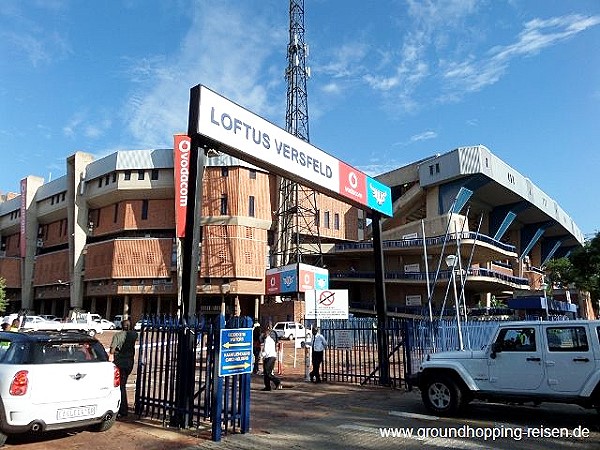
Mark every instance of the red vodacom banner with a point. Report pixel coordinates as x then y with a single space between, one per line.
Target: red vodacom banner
181 171
353 184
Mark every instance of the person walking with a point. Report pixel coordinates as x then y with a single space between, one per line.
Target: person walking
122 349
256 346
269 355
319 344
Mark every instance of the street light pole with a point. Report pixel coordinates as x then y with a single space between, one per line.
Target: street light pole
451 261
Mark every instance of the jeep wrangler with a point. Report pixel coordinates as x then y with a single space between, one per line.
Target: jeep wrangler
537 362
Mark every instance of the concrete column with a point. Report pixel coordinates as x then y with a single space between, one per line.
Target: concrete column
77 210
29 233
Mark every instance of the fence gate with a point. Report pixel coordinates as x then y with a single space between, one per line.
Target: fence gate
352 354
177 378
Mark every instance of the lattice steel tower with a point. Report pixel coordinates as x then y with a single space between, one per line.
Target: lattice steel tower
298 238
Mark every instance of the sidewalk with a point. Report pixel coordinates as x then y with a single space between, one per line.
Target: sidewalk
301 415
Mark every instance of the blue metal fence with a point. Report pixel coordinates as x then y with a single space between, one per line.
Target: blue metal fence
353 354
177 381
441 335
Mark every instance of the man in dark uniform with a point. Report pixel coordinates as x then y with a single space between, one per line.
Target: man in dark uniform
122 349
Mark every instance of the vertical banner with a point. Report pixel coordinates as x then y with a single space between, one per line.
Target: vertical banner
23 219
181 172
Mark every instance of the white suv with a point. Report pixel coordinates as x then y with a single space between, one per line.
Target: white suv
290 330
523 362
51 381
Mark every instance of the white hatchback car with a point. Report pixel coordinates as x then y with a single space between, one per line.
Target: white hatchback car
51 381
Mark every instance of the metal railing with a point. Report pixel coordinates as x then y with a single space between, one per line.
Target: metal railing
430 241
176 378
352 354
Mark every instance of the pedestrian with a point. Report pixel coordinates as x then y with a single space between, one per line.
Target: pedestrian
319 344
122 349
256 346
15 325
5 326
269 355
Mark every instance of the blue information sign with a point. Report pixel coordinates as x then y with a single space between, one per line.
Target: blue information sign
235 354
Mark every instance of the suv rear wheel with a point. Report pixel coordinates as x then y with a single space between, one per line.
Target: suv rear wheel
442 395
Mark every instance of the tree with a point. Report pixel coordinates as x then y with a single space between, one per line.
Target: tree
559 272
3 301
585 263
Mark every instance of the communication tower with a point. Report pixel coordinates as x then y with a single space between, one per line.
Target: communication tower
297 236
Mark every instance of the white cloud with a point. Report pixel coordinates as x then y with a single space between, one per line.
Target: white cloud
425 136
221 51
474 74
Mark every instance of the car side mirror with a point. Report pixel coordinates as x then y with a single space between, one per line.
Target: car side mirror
496 348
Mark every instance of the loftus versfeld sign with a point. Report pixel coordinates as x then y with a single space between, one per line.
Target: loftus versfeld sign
253 139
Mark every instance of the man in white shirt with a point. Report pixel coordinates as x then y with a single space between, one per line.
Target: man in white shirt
319 344
269 355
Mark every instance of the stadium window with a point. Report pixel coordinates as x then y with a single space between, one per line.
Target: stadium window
252 174
224 204
224 171
127 175
317 218
251 206
140 174
336 221
99 183
144 209
107 180
116 213
326 219
154 175
114 177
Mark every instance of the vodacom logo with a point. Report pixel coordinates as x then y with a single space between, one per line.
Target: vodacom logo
353 180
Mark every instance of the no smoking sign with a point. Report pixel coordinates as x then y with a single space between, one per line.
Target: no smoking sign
326 304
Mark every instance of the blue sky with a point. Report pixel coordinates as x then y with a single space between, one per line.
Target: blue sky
391 81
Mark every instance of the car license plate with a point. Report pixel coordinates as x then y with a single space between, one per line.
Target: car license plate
79 411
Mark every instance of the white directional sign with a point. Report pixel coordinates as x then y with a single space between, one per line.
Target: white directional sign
326 304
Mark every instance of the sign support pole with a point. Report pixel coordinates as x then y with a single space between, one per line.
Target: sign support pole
381 303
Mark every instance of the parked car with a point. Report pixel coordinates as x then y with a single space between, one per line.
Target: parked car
38 323
290 330
142 322
106 324
53 380
48 316
542 361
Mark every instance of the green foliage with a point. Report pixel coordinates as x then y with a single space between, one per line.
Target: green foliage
3 301
559 272
585 263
